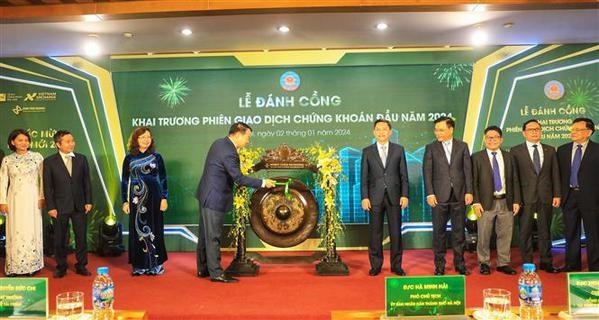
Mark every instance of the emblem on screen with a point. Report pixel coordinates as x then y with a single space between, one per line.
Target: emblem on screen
554 90
290 81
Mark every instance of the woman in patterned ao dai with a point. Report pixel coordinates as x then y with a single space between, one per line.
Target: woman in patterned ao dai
144 193
21 198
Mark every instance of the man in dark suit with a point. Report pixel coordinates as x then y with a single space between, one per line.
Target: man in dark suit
496 200
447 174
384 188
67 189
540 186
215 195
580 193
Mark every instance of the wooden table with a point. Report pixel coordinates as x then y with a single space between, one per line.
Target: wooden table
549 313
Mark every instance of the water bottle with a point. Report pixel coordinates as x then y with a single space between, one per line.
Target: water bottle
103 295
530 292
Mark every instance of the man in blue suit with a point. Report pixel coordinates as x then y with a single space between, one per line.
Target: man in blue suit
215 195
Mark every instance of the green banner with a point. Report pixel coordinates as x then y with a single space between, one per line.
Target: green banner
583 293
24 298
425 296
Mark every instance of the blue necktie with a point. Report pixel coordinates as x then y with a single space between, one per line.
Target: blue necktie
536 159
576 167
496 175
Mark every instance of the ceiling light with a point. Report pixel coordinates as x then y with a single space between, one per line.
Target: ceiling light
128 35
508 25
196 52
150 53
477 8
92 18
283 29
92 47
382 26
479 37
186 32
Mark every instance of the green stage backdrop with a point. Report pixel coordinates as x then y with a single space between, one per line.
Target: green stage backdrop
330 98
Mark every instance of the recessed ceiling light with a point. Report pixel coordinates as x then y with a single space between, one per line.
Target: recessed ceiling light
265 50
382 26
391 47
92 18
92 47
186 31
196 52
150 53
508 25
283 29
128 35
479 37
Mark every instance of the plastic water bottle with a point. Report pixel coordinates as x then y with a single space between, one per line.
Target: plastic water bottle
103 295
530 291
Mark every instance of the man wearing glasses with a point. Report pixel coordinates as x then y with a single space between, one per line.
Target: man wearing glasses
580 193
540 185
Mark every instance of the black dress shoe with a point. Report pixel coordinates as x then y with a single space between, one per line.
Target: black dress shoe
83 271
549 268
399 271
506 270
224 279
462 270
485 269
203 274
439 271
59 273
374 272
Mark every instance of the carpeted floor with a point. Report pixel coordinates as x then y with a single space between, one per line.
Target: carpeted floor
280 291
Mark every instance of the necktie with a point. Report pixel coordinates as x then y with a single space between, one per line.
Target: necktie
447 151
384 155
69 164
536 159
496 175
576 167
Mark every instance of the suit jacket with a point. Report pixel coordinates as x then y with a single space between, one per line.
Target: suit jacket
535 188
588 175
440 176
376 177
482 179
62 191
221 170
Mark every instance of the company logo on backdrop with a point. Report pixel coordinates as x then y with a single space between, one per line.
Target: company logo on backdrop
40 96
2 97
290 81
7 97
17 110
554 90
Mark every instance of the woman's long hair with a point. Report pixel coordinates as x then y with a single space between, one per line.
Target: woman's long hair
134 145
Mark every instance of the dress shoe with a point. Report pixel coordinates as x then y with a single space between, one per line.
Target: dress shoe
203 274
506 270
399 271
374 272
83 271
549 268
485 269
224 279
59 273
462 270
439 271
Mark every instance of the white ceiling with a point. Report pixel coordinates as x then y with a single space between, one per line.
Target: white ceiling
308 31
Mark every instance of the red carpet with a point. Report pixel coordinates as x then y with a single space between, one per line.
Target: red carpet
280 291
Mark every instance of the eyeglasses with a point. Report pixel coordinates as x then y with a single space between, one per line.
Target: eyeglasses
579 130
533 130
493 138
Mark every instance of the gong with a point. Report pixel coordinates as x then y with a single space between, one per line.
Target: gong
286 215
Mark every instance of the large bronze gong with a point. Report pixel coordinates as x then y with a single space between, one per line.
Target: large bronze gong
284 220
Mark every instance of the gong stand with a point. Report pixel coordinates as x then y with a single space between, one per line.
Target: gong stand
281 203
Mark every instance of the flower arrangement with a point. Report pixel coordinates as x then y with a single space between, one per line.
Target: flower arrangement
241 196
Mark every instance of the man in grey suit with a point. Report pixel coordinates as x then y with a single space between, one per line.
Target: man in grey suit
384 189
215 196
496 200
579 174
447 174
540 185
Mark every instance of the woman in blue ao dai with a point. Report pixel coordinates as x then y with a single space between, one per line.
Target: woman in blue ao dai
144 193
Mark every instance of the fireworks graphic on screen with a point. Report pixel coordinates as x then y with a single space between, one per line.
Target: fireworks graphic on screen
453 76
173 91
582 93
